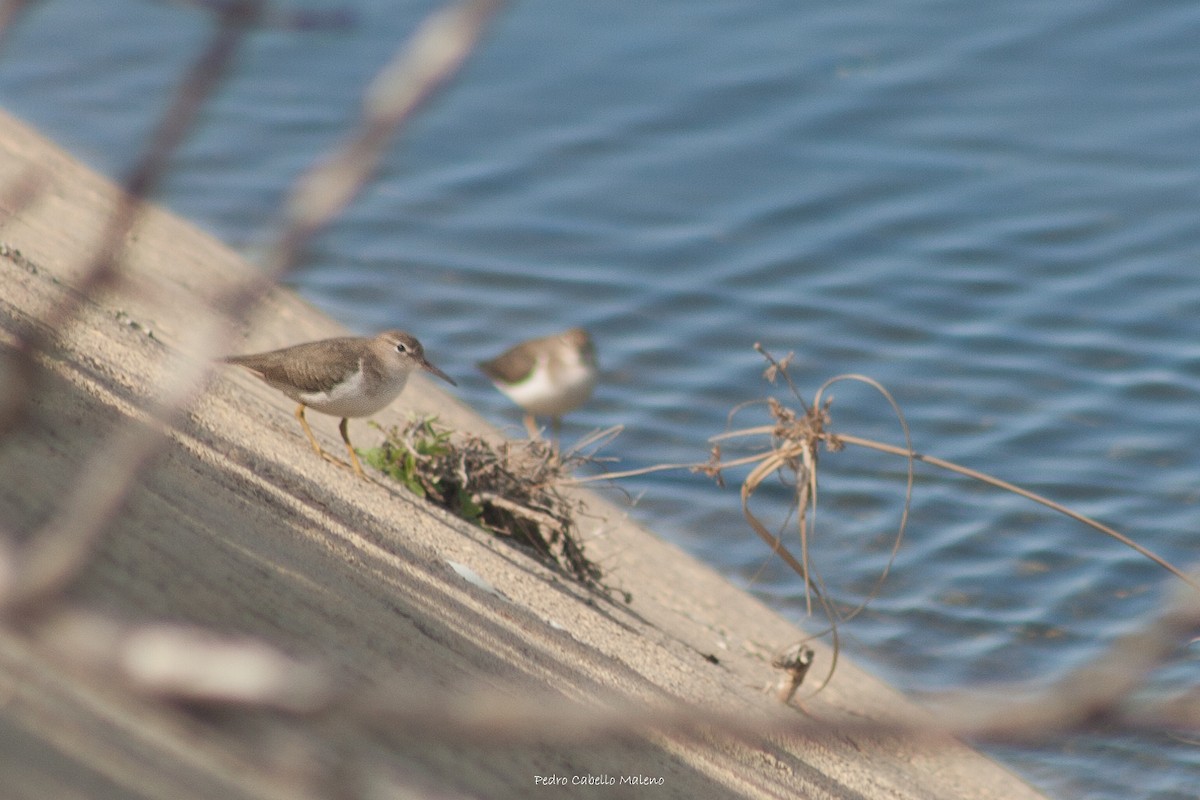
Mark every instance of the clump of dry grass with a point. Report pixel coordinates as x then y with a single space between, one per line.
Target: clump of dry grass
790 446
787 449
508 487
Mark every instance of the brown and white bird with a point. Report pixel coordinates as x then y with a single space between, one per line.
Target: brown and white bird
548 376
345 377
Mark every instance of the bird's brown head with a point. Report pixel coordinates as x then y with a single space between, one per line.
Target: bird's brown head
407 347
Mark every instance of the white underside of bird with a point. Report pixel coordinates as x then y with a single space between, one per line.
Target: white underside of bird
349 398
553 391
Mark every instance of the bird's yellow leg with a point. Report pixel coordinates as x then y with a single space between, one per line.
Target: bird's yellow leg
307 430
350 448
531 426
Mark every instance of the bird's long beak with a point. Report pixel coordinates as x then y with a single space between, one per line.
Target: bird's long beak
431 368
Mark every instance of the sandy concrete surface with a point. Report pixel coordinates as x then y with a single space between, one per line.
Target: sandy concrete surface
238 527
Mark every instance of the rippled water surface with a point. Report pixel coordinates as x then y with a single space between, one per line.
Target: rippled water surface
991 209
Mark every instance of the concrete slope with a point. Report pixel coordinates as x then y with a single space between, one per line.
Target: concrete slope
238 527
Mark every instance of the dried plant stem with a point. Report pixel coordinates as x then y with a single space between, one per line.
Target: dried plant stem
51 559
629 473
545 521
436 51
843 439
10 12
62 546
102 271
432 56
1091 699
1094 698
56 552
1037 498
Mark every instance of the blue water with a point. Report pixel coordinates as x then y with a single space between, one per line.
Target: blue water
990 209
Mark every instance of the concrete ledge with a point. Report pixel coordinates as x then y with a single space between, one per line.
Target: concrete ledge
240 528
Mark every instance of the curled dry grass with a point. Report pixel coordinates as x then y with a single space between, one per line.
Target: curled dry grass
509 487
794 440
798 431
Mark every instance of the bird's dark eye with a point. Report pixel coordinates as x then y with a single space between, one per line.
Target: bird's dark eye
401 347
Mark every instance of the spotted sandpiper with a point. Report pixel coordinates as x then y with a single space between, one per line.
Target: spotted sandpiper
344 377
548 376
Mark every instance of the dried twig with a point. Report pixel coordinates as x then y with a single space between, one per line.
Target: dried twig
54 555
102 271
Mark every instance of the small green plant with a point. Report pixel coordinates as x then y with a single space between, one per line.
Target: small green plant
411 456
